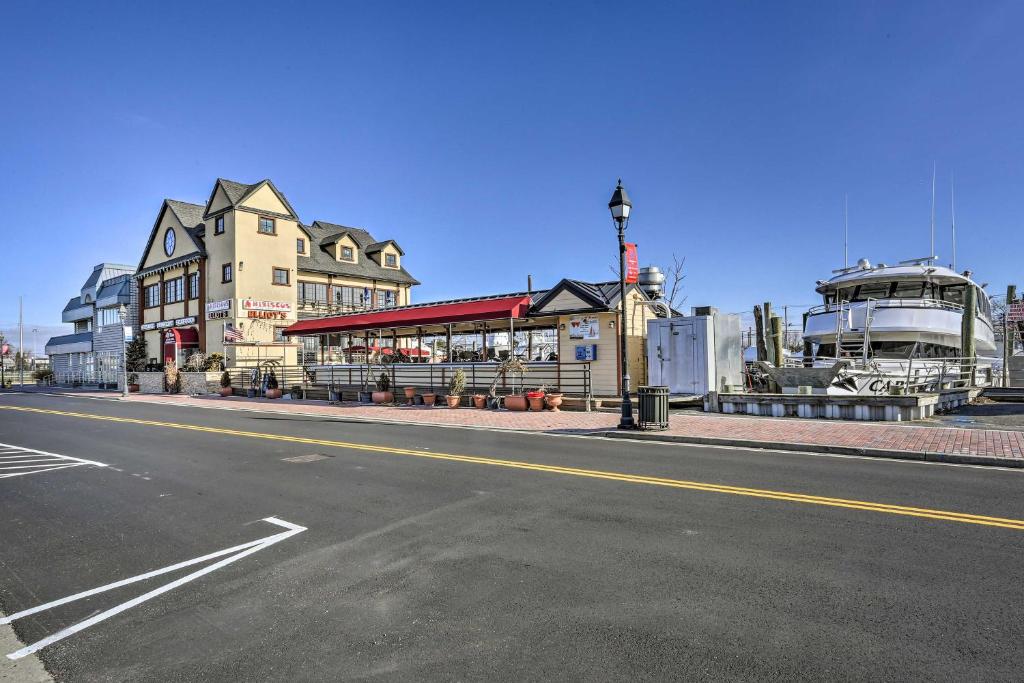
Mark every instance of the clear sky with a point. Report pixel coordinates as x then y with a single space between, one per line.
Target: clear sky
486 137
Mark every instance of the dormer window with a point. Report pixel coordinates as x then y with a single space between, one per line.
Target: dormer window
391 260
347 254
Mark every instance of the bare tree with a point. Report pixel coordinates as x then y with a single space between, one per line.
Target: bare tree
674 276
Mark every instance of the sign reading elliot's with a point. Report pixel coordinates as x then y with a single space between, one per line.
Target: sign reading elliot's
632 264
266 310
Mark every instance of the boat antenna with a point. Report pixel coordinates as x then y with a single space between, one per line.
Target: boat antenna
846 230
932 252
952 212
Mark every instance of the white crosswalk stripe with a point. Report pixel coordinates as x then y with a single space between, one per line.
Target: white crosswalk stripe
16 461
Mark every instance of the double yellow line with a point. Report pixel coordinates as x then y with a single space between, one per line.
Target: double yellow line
868 506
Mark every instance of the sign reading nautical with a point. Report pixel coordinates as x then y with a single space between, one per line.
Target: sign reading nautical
216 310
266 310
632 264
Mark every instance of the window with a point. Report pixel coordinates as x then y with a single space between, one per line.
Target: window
390 260
109 316
953 294
872 290
225 273
385 298
267 227
347 254
279 334
173 290
280 276
351 298
152 295
193 285
908 290
312 293
218 225
83 325
300 245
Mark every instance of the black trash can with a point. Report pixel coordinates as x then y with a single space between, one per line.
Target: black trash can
653 413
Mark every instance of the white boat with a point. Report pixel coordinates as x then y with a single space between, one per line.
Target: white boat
898 329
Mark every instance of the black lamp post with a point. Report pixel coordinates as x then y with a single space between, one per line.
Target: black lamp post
620 207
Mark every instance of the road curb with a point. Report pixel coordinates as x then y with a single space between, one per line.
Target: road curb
952 458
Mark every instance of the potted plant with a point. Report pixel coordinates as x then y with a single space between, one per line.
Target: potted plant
273 389
383 393
225 384
410 393
480 401
553 400
133 383
172 380
456 385
365 395
254 383
536 398
509 366
429 398
296 392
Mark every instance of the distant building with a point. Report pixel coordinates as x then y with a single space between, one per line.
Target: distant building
93 352
230 275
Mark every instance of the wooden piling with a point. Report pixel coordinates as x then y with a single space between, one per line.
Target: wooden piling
777 346
769 348
762 351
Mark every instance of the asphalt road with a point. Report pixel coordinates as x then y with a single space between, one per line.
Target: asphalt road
434 553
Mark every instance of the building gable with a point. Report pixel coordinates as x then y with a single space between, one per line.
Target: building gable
265 199
184 241
564 300
218 201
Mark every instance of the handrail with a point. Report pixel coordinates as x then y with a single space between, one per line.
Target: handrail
887 303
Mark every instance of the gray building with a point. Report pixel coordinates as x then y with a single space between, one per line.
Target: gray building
92 353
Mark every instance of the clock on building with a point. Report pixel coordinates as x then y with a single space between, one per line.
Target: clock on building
169 241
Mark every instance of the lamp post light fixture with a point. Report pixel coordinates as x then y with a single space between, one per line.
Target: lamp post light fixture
620 206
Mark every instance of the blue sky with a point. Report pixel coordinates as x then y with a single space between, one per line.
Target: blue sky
486 137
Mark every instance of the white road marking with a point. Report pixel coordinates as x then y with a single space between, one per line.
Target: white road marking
16 461
240 551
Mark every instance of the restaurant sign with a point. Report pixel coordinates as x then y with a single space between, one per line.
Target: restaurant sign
165 324
216 310
265 305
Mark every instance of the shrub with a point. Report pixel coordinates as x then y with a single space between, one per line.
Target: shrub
225 380
214 362
383 382
171 377
271 380
457 384
42 374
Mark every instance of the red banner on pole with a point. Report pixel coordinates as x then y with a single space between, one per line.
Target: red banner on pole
5 349
632 264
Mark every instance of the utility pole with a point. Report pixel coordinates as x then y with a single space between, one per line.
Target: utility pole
21 343
1011 295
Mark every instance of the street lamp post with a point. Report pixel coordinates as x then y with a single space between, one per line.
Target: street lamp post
620 207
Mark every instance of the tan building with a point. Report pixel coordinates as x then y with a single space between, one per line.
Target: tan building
230 275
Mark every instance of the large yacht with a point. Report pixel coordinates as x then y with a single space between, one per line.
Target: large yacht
898 328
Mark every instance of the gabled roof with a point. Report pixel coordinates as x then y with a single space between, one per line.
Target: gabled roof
237 193
322 234
189 215
75 302
377 246
602 295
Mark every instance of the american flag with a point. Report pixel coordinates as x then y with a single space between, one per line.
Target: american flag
231 334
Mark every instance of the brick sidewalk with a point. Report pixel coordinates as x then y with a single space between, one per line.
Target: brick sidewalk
873 438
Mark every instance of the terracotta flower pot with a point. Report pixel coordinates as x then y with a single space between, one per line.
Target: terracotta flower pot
226 391
274 393
383 397
133 388
480 401
410 392
515 402
536 402
429 399
553 401
453 401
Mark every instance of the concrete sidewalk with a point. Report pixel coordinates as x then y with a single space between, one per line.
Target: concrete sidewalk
942 444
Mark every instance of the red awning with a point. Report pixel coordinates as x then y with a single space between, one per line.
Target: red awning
182 337
416 316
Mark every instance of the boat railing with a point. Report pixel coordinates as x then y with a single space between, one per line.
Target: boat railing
887 303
